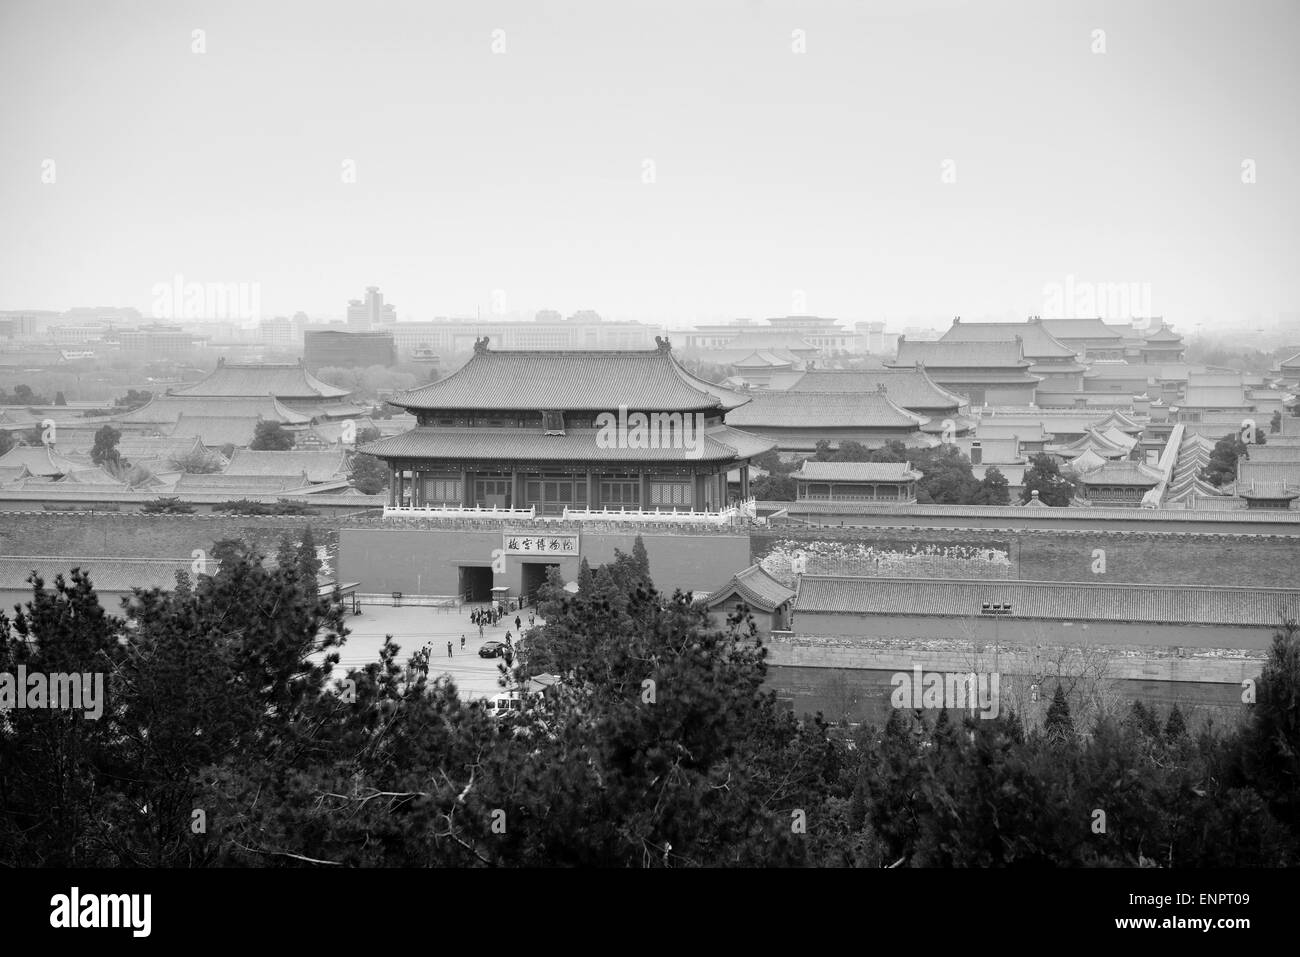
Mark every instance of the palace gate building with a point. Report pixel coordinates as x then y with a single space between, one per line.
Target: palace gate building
524 460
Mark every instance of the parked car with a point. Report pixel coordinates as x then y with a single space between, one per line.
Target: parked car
492 649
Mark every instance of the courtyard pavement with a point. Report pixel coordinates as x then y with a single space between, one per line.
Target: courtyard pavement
414 627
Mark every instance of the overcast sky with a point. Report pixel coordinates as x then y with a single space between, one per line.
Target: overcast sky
669 161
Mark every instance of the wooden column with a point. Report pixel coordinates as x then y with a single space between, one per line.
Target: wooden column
645 490
392 483
744 481
514 489
466 493
591 489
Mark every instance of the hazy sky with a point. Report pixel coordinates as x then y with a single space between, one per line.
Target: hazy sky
775 173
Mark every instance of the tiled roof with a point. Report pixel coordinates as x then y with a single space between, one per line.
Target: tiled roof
219 482
331 433
1164 334
1122 473
91 476
1268 490
824 410
1165 604
39 460
755 587
1216 396
1086 461
571 381
576 445
216 431
106 574
282 380
169 409
961 354
1038 342
995 428
1273 453
763 359
1119 438
156 448
1249 471
324 465
1095 441
857 472
909 387
1080 329
12 473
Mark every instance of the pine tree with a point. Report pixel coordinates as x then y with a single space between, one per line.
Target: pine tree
1176 726
1058 724
308 562
641 558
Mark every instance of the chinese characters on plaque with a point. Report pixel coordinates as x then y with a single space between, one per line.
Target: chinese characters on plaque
534 543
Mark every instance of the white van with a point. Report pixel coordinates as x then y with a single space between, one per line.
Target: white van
505 703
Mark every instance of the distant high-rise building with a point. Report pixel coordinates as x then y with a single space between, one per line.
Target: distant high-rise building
371 312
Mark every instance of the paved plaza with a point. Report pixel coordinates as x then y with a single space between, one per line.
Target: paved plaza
414 627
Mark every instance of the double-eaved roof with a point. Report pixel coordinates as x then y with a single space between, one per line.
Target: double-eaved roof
572 381
1079 601
718 444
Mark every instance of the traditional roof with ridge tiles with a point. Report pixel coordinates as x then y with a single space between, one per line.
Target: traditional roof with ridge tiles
719 444
1038 343
993 354
1094 328
282 380
857 472
1122 473
323 465
909 387
572 381
40 460
864 410
755 587
167 409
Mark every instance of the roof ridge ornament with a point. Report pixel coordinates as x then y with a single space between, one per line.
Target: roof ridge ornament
481 346
662 344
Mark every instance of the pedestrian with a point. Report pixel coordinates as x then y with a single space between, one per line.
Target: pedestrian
449 649
531 619
480 630
507 638
519 625
462 642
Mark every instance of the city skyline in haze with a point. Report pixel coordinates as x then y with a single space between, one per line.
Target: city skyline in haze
892 162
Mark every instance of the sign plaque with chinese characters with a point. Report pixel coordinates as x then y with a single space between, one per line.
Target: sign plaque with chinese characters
540 543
